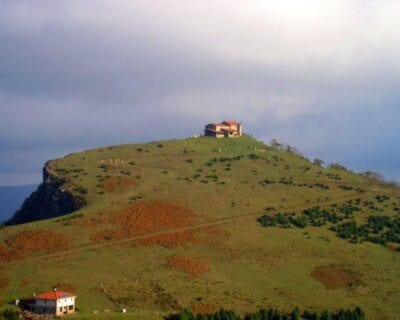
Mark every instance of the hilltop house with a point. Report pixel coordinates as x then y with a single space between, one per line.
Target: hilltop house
53 302
227 129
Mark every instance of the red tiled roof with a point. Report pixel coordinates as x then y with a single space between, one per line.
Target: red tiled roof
53 295
231 123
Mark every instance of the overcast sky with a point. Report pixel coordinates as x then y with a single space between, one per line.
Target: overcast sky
323 76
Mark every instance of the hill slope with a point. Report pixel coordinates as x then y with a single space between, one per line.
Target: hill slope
206 223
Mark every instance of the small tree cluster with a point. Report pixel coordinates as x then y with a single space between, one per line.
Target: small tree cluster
273 314
378 229
10 314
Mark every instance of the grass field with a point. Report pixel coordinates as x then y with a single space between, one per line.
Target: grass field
173 224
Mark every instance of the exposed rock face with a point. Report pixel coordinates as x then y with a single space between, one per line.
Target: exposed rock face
48 201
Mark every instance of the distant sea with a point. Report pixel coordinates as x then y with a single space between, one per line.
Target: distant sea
12 197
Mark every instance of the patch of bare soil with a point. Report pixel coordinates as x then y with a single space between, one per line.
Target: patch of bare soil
335 277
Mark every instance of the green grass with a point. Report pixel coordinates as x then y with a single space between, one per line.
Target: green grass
250 266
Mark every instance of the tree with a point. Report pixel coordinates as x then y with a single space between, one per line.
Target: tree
372 175
270 314
216 316
275 144
187 314
293 150
326 315
307 315
295 314
318 162
263 314
360 313
10 314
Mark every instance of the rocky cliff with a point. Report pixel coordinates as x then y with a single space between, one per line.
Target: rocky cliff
51 199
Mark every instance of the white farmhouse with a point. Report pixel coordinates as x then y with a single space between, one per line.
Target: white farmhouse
53 302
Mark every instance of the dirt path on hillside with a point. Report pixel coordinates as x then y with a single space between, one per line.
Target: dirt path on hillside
190 228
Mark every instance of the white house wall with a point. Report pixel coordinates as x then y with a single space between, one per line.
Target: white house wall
65 302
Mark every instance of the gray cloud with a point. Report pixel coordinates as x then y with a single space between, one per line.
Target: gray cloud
321 75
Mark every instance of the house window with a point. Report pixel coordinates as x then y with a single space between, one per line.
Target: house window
71 307
60 309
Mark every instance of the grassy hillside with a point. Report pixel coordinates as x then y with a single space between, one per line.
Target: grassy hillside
206 223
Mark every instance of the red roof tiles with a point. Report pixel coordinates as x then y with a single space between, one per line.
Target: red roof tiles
231 123
53 295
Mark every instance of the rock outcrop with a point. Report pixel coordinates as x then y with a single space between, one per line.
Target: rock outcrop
51 199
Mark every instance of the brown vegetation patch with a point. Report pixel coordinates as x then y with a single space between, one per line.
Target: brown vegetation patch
38 241
145 217
117 184
3 283
203 308
393 247
335 277
189 265
6 255
202 235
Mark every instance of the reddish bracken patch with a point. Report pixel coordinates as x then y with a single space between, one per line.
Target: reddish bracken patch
38 241
189 265
3 283
145 217
393 247
203 308
5 255
117 184
335 277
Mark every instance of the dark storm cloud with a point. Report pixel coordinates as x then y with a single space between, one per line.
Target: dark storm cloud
321 76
